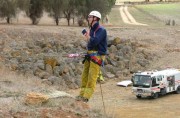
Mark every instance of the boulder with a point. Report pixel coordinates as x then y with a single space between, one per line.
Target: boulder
116 41
35 98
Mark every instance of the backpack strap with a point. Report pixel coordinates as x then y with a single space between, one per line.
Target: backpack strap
96 30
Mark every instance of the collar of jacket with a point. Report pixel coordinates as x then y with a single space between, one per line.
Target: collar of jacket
95 26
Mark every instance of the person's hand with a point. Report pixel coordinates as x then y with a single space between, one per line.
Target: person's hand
87 36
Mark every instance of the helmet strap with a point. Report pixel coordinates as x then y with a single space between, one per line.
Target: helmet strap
90 25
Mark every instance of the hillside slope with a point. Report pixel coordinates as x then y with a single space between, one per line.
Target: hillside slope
159 44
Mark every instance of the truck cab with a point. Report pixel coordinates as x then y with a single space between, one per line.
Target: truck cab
143 85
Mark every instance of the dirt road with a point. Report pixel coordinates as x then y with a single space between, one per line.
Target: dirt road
127 17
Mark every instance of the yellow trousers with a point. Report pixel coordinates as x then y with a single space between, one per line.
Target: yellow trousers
89 78
100 77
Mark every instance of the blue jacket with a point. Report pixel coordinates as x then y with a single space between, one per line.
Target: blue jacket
98 39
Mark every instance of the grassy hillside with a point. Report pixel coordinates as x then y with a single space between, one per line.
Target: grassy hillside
115 17
117 1
151 14
145 18
162 12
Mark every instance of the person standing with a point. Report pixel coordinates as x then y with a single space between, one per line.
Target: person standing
96 50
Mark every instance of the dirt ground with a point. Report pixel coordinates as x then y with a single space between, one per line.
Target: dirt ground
119 101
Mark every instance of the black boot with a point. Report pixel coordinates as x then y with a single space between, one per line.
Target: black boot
85 100
79 98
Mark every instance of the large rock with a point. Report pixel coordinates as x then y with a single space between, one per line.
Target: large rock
35 98
116 41
51 61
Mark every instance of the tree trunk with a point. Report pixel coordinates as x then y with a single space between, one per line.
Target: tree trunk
57 20
33 21
8 20
68 21
73 20
68 18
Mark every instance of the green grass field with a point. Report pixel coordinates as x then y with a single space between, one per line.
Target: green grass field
151 14
145 18
162 12
115 17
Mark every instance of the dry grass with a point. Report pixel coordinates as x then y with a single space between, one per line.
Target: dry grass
14 89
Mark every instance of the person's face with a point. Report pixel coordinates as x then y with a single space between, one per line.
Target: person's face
90 18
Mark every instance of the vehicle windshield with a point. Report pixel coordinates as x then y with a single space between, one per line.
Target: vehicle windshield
141 80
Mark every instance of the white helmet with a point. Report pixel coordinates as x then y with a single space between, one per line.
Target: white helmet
95 13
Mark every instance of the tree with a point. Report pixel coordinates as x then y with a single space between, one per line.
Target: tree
8 9
23 4
35 10
82 8
111 3
69 9
81 12
55 9
103 6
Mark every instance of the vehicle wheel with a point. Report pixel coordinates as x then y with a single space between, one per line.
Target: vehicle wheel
155 95
178 90
138 96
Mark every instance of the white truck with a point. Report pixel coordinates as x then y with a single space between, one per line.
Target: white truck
155 83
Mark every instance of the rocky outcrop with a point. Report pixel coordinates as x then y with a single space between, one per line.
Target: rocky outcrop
41 54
